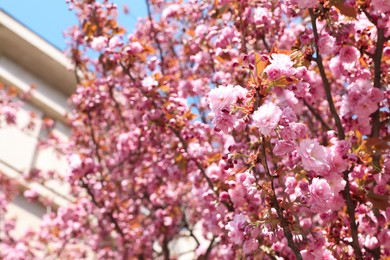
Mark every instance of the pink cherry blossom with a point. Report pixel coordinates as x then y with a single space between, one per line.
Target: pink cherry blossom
281 65
326 44
320 194
222 98
99 43
349 54
215 124
266 118
381 5
236 228
314 156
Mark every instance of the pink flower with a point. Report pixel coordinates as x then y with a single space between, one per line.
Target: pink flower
375 94
288 116
320 194
320 189
273 72
381 5
362 99
326 44
314 156
283 147
201 30
236 228
266 118
349 54
250 245
31 195
306 3
79 166
224 121
371 242
222 98
281 65
134 48
115 42
99 43
9 114
149 83
261 15
128 141
335 66
170 11
290 183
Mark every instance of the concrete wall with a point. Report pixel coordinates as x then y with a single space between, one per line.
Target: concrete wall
19 151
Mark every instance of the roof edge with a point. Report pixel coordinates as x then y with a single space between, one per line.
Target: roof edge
22 31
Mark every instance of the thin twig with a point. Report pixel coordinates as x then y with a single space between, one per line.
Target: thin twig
377 84
187 226
351 214
341 136
153 30
317 116
325 80
243 36
205 256
229 206
283 222
265 43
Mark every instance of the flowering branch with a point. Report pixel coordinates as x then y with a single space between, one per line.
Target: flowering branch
341 136
351 214
317 115
274 200
205 256
377 57
153 30
325 80
229 206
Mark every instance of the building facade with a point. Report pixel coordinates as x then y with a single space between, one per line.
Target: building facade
30 64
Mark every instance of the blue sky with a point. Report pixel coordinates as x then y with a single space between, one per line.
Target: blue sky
50 18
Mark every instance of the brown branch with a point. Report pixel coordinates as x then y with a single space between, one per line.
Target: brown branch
187 226
283 222
93 138
317 115
229 206
351 214
205 256
341 136
375 117
111 217
165 249
265 43
118 108
153 30
325 80
243 36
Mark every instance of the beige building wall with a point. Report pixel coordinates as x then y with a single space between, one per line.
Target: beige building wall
26 60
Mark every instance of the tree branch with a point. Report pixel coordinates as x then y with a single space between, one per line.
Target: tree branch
205 256
243 36
153 30
341 136
351 214
325 80
229 206
283 222
317 116
377 84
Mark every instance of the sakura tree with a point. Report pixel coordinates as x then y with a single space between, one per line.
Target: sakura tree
248 129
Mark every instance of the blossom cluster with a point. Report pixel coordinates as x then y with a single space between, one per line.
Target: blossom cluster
247 129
